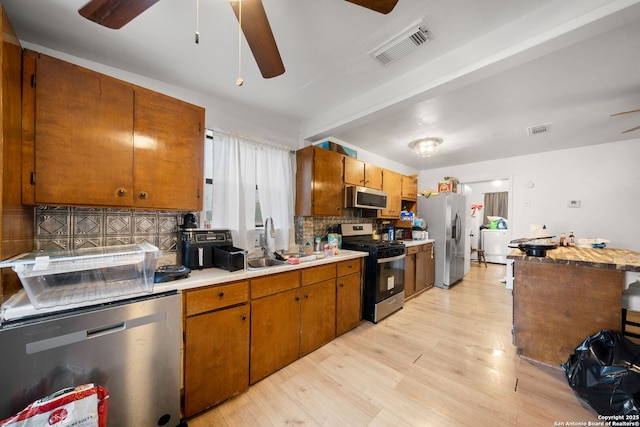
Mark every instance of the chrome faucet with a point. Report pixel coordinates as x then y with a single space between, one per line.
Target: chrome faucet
268 233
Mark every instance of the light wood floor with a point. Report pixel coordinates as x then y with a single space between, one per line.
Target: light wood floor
445 359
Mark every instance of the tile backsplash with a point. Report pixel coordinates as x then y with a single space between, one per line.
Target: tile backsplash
69 227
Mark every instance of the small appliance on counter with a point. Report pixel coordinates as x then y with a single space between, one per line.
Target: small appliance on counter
204 248
168 273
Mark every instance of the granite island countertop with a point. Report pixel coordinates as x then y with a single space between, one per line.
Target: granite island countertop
610 258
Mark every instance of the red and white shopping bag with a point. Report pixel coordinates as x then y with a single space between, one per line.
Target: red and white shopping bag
82 406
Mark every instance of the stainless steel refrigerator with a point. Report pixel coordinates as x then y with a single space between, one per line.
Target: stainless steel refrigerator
445 215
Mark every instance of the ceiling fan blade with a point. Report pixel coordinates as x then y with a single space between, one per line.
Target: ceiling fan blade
632 129
114 14
257 31
625 112
382 6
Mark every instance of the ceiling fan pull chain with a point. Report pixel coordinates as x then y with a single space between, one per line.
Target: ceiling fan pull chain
197 21
239 81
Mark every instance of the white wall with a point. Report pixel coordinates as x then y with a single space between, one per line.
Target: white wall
605 178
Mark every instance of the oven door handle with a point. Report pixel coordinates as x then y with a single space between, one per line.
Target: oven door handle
391 259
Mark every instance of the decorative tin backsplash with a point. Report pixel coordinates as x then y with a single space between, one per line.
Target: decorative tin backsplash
69 227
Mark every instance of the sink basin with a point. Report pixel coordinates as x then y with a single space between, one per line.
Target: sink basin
258 263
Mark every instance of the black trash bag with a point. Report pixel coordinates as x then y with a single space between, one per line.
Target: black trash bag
604 371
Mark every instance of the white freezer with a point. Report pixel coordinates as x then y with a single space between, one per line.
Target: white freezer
495 244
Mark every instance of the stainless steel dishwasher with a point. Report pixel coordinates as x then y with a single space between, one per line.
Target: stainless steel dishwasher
130 347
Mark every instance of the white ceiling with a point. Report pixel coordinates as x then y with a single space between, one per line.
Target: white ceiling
493 68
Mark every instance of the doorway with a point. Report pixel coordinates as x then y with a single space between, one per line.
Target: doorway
476 220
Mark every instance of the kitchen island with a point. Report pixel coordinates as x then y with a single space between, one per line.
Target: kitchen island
566 296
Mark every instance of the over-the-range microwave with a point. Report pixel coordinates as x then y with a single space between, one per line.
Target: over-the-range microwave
365 198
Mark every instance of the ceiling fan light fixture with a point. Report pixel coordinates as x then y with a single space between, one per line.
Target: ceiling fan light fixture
426 147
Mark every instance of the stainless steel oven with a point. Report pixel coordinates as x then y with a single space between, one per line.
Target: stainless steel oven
389 295
384 271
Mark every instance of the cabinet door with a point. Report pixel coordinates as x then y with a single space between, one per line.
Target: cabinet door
216 357
431 266
353 171
275 333
83 135
357 172
318 315
348 311
409 188
373 176
409 275
169 152
392 185
421 270
327 184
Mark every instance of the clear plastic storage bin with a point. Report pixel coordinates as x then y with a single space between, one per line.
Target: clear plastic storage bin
53 278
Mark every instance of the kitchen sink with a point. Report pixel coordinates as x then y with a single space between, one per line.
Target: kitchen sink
258 263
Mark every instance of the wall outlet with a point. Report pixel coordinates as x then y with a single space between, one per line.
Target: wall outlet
257 240
573 204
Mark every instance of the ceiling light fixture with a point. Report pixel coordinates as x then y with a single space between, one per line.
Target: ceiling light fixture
426 147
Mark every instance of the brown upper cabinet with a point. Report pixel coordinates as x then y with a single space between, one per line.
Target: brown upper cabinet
93 140
323 174
409 188
392 185
319 187
357 172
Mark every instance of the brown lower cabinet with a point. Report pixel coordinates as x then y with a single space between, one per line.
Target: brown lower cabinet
216 345
237 333
348 296
419 269
290 324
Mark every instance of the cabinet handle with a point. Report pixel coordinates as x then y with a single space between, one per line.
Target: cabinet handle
221 294
341 285
143 194
243 318
121 192
297 298
306 296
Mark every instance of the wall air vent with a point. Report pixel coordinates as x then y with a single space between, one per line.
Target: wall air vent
538 129
401 45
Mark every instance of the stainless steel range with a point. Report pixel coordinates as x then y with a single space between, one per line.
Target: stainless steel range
384 270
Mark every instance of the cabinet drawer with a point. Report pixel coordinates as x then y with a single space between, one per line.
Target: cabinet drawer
215 297
348 267
318 274
411 250
274 283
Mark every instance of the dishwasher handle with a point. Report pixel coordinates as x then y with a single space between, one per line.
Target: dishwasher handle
106 330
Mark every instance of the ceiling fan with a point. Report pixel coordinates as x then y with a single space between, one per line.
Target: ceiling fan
627 112
257 31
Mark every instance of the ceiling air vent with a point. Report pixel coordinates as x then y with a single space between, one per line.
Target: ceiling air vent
538 129
402 44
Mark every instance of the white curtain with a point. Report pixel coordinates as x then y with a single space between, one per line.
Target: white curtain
238 166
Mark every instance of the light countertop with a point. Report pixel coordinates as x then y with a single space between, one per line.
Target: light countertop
19 306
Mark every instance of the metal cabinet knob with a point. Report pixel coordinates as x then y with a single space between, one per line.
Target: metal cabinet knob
221 294
143 194
121 192
243 318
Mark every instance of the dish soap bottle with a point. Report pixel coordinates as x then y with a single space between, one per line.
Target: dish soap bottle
563 240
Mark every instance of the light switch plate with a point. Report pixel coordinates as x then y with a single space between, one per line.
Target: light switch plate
573 204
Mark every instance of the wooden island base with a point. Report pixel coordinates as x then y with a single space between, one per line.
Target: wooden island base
557 305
